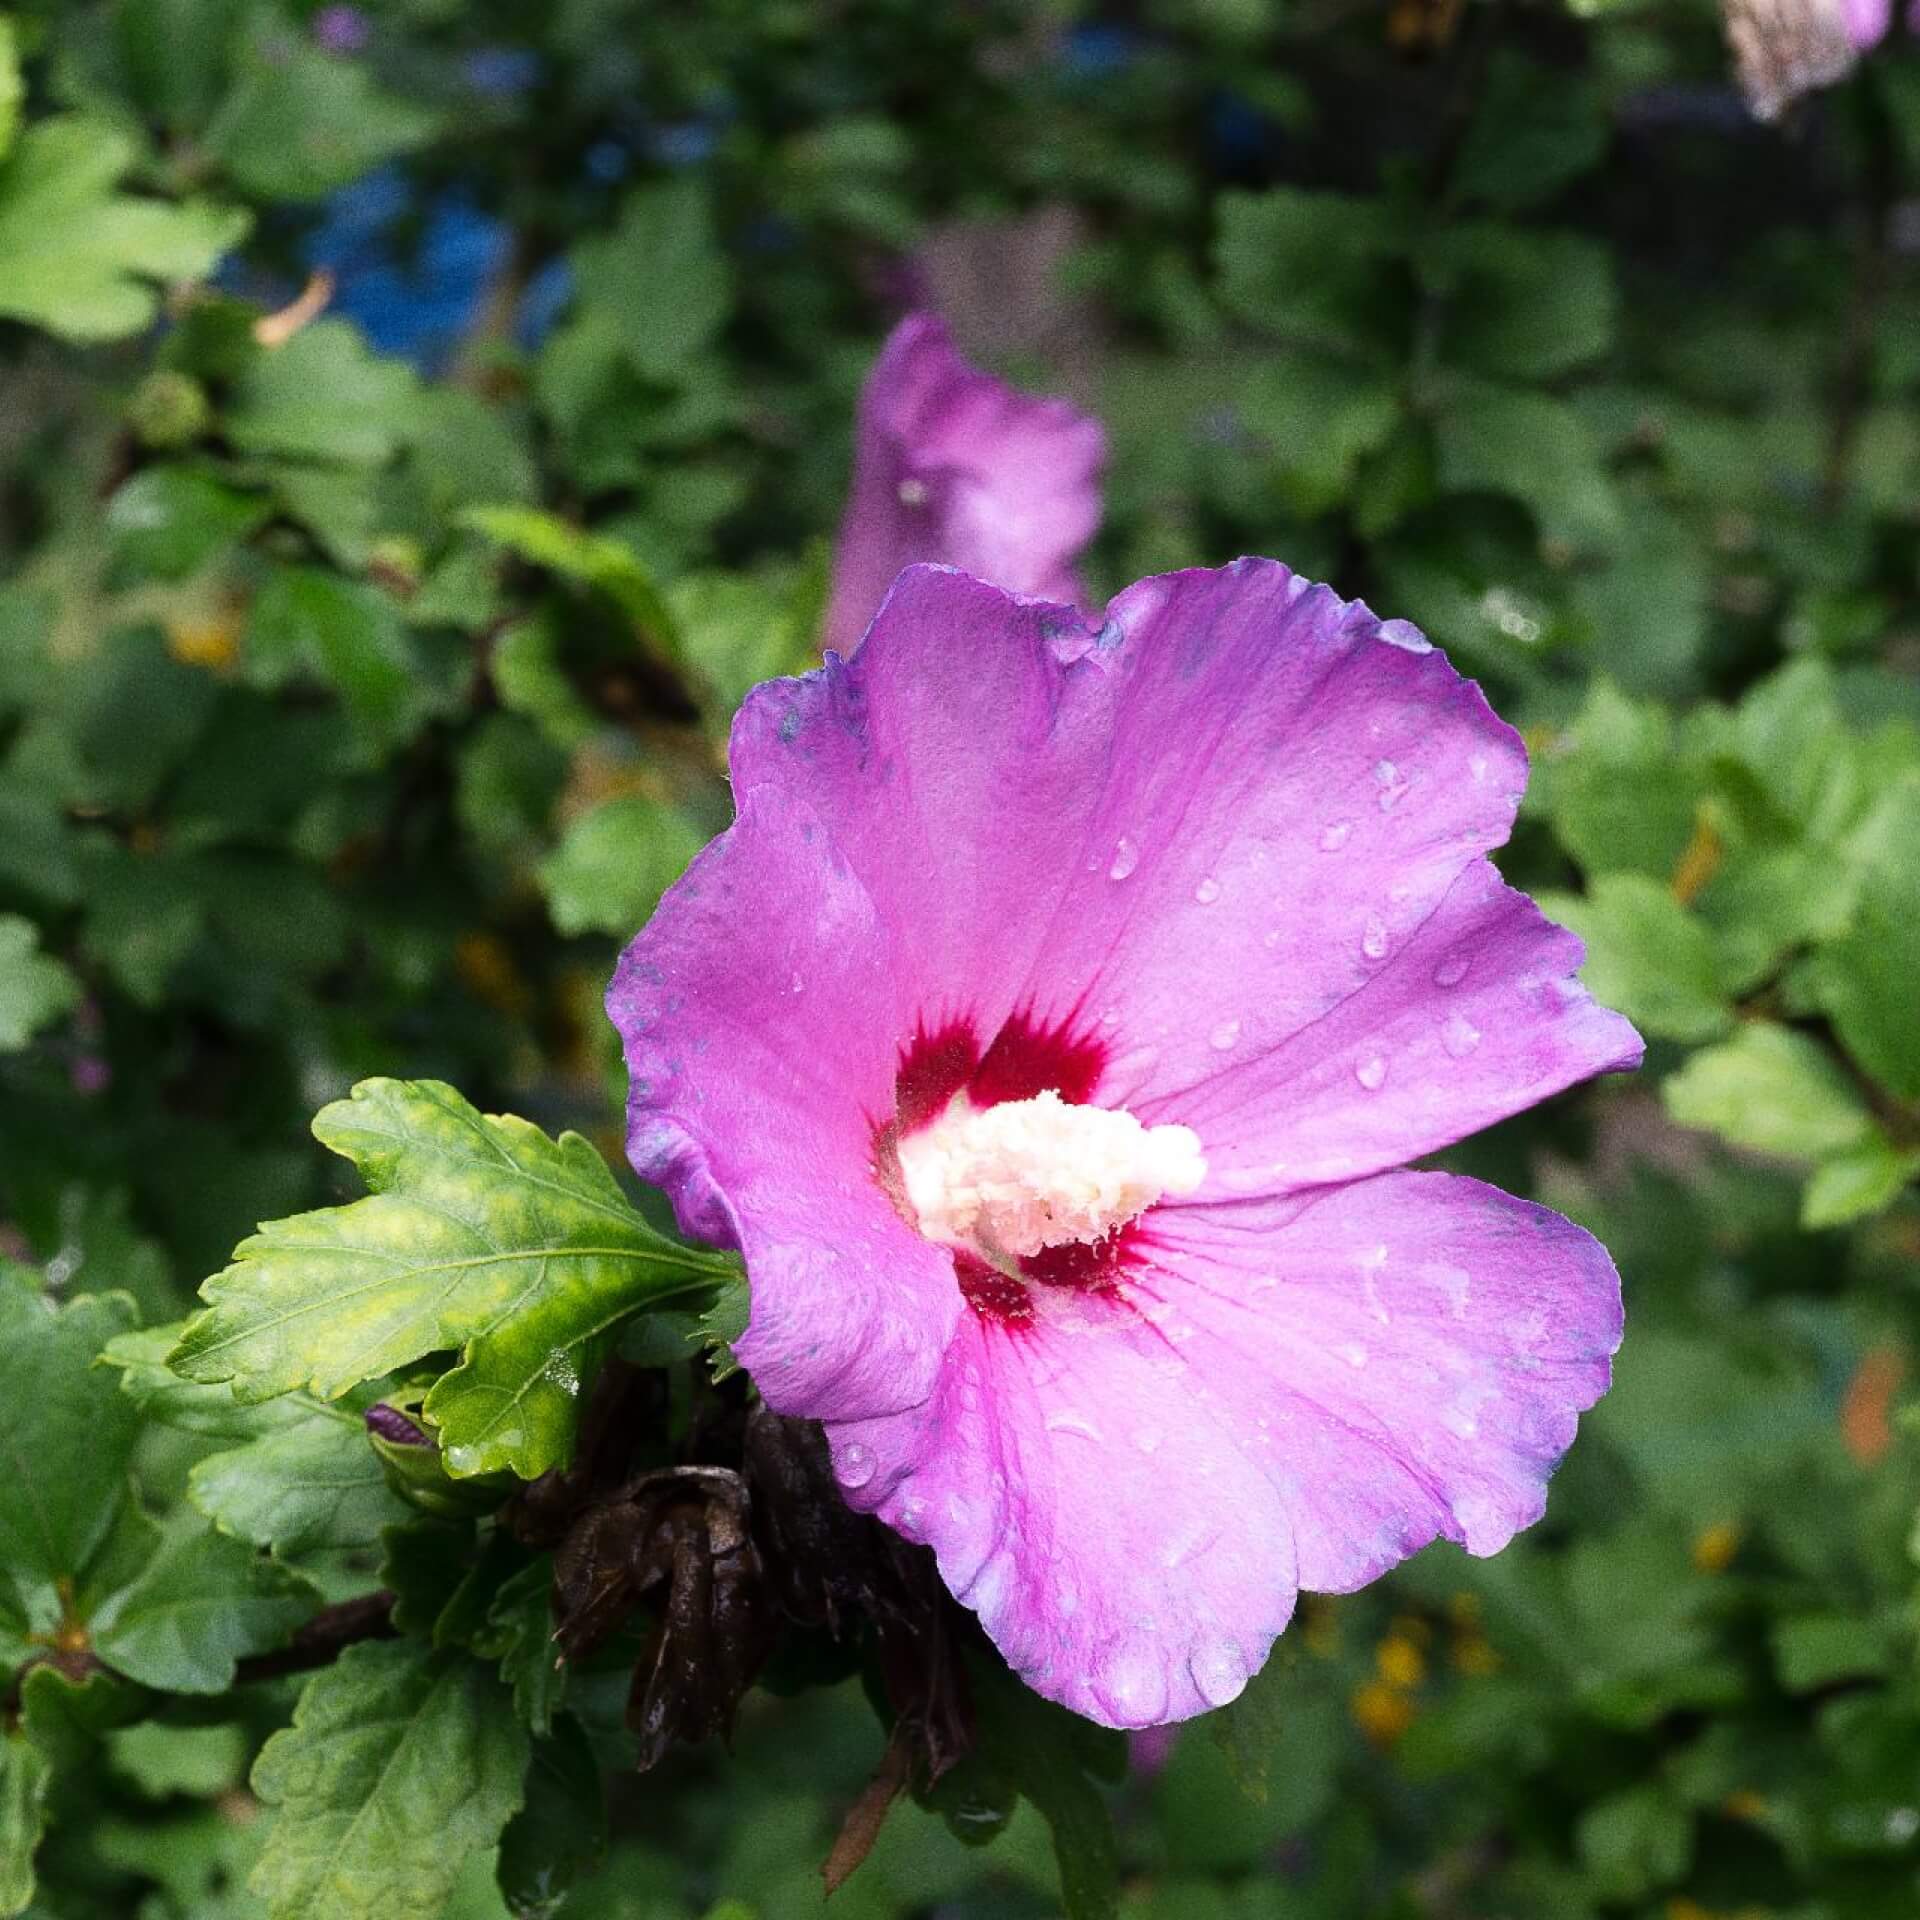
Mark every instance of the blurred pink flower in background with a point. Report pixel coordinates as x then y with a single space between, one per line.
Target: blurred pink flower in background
951 464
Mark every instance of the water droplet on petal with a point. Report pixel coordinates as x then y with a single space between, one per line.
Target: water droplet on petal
911 1521
1148 1439
1208 891
799 985
1132 1686
854 1464
1068 1421
1452 969
1404 634
1224 1036
1335 836
1354 1355
1371 1073
1126 856
1459 1036
1393 785
1219 1671
1373 941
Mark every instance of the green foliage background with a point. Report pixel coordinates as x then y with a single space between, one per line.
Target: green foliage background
350 715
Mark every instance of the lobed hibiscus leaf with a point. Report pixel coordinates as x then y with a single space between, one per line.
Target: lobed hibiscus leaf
399 1764
482 1235
305 1478
24 1777
65 1434
35 989
80 253
201 1603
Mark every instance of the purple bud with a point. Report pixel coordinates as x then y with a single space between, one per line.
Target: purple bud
341 29
394 1427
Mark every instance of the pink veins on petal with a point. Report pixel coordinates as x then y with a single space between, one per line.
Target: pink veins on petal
1049 1032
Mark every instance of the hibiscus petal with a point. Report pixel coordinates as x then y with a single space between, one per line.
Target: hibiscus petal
757 1012
1421 1342
1476 1016
1119 1542
1129 1488
955 763
953 465
1291 788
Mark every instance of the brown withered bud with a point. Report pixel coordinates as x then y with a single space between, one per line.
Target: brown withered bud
714 1629
626 1402
676 1541
831 1567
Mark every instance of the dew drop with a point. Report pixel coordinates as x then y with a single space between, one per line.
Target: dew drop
1393 785
1126 856
1371 1073
1132 1687
1068 1421
1208 891
913 493
1405 635
1459 1036
798 985
1148 1439
1224 1036
1219 1671
1452 969
911 1522
854 1464
1373 941
1335 836
1354 1355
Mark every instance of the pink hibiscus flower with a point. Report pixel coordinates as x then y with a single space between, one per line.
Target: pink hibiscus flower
953 465
1047 1033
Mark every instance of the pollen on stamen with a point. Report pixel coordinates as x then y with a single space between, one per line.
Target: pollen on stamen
1018 1177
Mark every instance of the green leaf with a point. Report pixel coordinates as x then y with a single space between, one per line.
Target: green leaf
13 90
1314 268
66 1431
1534 129
324 396
482 1235
520 1631
1773 1090
1251 1731
1861 1181
399 1764
312 1483
614 862
35 990
79 255
1817 1649
660 275
203 1602
595 560
168 521
349 636
561 1830
1620 797
24 1776
1532 447
1044 1750
300 124
1866 978
1635 1842
1320 418
1519 305
1646 955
